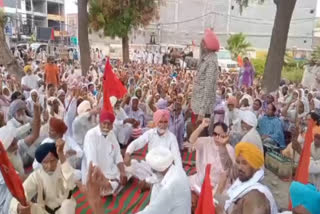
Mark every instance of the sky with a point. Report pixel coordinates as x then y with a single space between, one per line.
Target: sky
70 6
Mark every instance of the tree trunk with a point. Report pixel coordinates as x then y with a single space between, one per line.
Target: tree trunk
7 59
83 34
278 44
125 49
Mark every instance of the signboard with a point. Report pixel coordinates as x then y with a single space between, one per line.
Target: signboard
43 33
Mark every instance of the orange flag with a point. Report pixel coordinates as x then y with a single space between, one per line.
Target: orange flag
205 203
302 172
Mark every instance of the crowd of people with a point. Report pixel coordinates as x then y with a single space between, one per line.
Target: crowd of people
58 136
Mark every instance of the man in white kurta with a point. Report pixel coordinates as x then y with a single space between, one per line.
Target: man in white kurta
171 194
314 167
51 185
156 137
102 149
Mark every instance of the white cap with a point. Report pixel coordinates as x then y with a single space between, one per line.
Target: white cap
159 158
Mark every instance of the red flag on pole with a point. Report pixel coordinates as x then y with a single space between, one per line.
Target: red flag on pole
205 203
52 34
302 172
11 178
112 86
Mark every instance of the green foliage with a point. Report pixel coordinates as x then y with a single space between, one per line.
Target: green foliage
315 57
238 45
119 17
292 70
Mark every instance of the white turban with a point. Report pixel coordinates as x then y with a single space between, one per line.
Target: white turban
249 118
7 134
159 158
84 107
113 100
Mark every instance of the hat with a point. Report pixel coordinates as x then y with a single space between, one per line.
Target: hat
249 118
159 158
44 149
211 41
105 115
84 107
58 126
27 68
7 135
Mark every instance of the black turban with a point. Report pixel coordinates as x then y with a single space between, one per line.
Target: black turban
44 149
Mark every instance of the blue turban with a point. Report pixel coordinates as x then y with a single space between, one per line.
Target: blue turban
44 149
305 195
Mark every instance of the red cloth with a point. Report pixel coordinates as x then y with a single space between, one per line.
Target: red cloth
205 203
112 86
302 172
11 178
58 126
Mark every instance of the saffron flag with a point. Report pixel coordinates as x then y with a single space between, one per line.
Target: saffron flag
52 34
302 172
11 178
205 203
112 86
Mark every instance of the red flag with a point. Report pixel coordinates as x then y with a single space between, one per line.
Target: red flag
11 178
52 34
205 203
302 172
112 86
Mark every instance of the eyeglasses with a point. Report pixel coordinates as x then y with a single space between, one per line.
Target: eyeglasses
216 134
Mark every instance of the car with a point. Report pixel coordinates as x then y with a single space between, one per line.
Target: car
226 64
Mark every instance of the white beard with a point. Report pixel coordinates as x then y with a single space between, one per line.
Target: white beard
16 162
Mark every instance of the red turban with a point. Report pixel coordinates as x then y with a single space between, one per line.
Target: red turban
58 126
211 40
158 115
106 115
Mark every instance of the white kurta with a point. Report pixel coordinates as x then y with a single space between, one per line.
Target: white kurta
80 126
31 81
314 167
153 139
103 152
50 190
172 195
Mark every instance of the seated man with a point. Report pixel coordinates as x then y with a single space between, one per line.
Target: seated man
271 129
305 198
102 149
247 195
249 124
159 136
51 185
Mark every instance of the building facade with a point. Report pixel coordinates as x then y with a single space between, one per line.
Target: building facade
26 15
184 21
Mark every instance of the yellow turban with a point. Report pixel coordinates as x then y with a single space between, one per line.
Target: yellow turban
27 68
251 153
316 130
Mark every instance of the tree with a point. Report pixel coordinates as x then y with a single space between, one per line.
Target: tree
6 57
118 17
278 44
238 45
83 34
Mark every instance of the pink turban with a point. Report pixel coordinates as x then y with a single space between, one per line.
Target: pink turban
232 101
160 114
211 40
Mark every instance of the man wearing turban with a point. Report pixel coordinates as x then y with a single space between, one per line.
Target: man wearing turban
159 136
57 130
101 147
204 87
51 186
247 195
305 198
29 81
